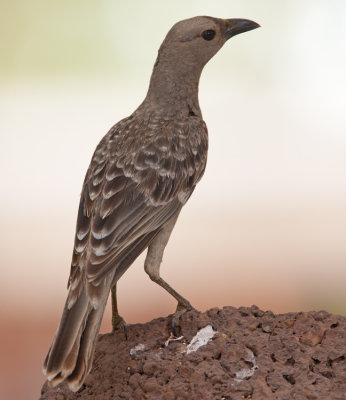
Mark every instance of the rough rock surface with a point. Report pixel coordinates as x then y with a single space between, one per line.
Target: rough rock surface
254 355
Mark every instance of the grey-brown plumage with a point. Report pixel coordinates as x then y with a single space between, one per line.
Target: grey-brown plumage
140 176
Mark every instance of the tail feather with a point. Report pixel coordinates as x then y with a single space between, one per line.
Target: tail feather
70 355
86 350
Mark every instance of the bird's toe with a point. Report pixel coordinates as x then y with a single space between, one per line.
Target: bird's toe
118 323
176 317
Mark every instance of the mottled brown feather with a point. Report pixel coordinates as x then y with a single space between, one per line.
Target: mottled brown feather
127 195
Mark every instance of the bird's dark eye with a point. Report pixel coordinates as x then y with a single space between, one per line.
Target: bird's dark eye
208 35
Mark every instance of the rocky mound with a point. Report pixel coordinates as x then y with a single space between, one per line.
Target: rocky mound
243 353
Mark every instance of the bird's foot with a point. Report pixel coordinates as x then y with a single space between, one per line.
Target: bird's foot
118 323
181 309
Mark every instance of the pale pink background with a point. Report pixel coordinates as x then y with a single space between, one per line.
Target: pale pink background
267 224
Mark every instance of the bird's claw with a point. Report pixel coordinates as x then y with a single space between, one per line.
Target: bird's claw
180 310
119 323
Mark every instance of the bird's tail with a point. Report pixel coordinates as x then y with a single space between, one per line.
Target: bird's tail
71 353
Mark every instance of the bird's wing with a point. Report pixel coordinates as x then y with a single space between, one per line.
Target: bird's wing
140 176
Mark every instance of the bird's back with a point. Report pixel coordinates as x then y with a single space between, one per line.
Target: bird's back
141 174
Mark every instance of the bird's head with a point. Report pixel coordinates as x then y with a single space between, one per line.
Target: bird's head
195 41
188 46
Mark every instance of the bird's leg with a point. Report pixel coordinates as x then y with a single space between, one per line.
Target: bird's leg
118 322
152 268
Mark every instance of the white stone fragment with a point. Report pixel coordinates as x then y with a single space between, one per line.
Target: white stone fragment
139 348
246 373
203 337
167 342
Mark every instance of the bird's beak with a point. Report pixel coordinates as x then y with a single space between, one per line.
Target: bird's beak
236 26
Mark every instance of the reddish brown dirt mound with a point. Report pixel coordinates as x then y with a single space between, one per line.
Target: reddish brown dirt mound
254 355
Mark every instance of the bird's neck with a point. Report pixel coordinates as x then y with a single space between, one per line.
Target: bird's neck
173 90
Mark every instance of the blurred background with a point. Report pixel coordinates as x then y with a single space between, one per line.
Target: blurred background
266 225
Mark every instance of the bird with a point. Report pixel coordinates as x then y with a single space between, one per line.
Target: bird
140 176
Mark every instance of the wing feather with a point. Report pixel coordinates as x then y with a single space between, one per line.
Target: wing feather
141 174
